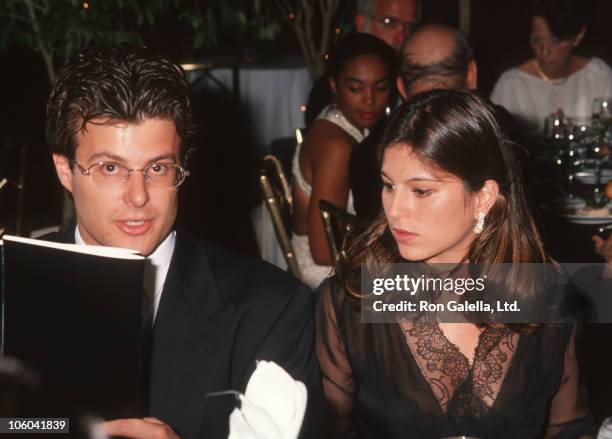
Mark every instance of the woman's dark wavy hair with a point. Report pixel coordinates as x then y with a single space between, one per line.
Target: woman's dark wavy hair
360 44
565 18
460 133
121 83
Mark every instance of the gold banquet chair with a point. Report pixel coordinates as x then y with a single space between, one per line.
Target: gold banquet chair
3 182
340 227
276 195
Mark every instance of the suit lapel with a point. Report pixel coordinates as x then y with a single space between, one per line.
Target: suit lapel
191 340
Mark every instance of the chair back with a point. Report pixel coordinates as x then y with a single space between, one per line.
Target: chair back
340 227
283 149
3 182
276 195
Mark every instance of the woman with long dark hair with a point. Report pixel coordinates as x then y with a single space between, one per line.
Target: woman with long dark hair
452 194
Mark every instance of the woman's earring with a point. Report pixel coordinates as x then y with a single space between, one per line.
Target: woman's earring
480 223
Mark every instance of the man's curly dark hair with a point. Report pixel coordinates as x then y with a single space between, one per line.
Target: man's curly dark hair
116 84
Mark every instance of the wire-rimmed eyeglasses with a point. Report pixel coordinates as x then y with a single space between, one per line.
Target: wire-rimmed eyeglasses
158 174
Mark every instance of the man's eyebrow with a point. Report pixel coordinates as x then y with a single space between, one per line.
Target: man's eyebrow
107 155
168 156
111 156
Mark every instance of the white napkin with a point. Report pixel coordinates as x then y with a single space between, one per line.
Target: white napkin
273 406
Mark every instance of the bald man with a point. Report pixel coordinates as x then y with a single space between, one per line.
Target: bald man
433 57
390 20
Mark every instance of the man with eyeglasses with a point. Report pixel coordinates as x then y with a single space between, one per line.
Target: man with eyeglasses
389 20
119 126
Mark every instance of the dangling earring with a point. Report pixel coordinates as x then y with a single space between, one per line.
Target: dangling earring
480 223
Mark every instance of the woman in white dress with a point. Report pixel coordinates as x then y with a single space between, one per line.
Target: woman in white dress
361 69
555 78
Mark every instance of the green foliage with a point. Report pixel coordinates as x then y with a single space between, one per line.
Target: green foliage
259 20
204 27
63 26
247 21
66 25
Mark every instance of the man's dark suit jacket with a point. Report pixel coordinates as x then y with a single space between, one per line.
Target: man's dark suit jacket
219 313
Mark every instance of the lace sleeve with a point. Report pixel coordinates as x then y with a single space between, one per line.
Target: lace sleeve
338 383
570 416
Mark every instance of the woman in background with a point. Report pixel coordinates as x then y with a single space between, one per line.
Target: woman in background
555 78
362 72
452 194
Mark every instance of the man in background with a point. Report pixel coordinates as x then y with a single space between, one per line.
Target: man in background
432 57
436 57
390 20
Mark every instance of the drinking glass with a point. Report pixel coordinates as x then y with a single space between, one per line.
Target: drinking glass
602 113
595 160
555 126
578 128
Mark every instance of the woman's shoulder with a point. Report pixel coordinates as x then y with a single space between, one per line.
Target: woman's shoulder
328 129
510 83
333 293
325 136
513 75
598 65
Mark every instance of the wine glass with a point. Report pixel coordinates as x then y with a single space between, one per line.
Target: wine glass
578 128
597 157
602 113
555 126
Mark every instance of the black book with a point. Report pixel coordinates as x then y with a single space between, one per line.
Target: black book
74 314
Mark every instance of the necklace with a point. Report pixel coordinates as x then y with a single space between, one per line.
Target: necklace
544 76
